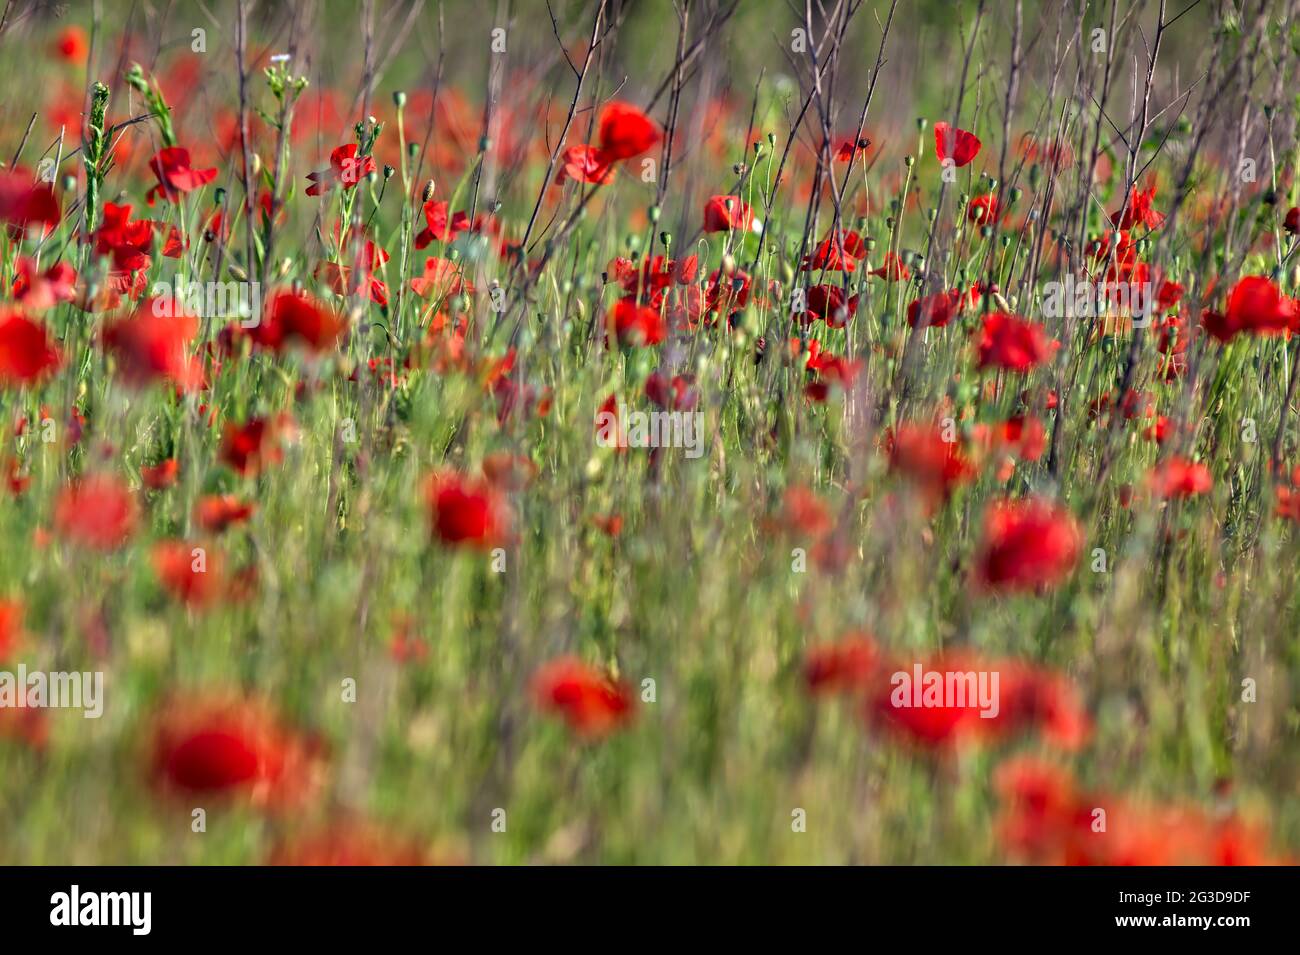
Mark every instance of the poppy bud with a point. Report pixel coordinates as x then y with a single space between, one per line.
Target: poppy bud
256 165
219 196
412 150
909 161
653 213
728 264
237 273
388 172
771 139
399 99
921 123
69 183
427 195
666 238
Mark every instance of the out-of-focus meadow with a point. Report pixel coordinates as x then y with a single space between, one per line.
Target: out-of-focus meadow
330 336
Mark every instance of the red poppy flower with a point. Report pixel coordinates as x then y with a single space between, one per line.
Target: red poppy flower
1177 477
955 144
290 318
339 277
1047 819
437 227
97 511
1011 343
625 132
938 309
583 163
56 284
636 324
1028 545
24 202
838 252
70 45
442 277
466 512
845 666
216 512
828 303
892 269
1139 211
161 475
345 169
11 628
1169 295
938 467
830 371
983 210
590 701
1292 221
1257 306
175 174
725 213
848 147
128 242
153 345
676 394
27 352
232 748
1024 437
252 446
192 573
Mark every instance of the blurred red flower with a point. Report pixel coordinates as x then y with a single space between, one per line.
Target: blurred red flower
97 511
1012 343
233 748
153 345
725 213
290 317
464 511
625 132
1027 545
216 512
161 475
24 202
252 446
936 466
28 354
636 325
191 572
590 701
1177 477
